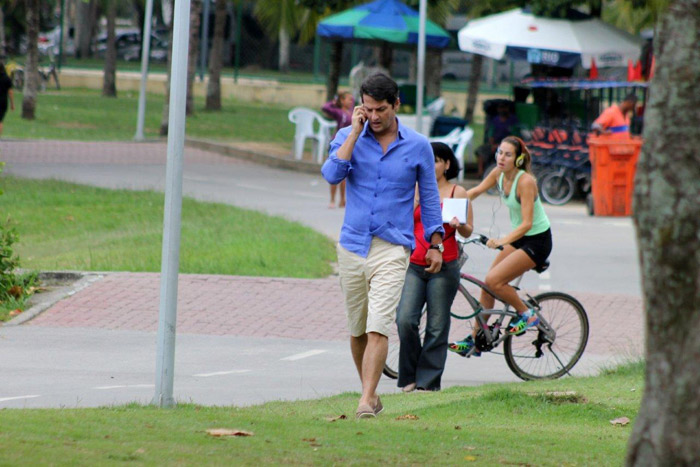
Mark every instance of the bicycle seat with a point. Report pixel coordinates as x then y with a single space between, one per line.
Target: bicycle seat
542 267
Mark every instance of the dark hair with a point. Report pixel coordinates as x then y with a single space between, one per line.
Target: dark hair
338 100
631 97
380 87
520 149
3 70
444 152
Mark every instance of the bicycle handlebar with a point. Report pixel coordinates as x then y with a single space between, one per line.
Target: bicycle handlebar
478 238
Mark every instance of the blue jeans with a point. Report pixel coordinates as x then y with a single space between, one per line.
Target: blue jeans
424 363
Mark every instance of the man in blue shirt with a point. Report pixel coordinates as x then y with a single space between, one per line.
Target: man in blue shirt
382 161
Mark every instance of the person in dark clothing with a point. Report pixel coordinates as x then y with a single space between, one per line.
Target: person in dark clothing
499 126
5 94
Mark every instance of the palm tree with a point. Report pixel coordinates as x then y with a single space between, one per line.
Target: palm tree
438 11
109 84
279 17
86 19
195 13
213 101
31 67
476 9
633 16
2 32
315 11
166 106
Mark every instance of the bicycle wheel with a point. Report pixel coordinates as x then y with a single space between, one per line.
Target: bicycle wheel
462 307
558 188
391 366
534 355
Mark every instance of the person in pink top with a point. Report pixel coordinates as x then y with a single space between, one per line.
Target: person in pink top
614 122
340 110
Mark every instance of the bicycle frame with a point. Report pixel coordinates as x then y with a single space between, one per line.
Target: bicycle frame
517 351
492 338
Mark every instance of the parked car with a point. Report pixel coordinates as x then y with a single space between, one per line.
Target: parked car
48 43
128 43
158 51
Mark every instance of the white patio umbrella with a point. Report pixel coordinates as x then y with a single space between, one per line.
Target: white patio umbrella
520 35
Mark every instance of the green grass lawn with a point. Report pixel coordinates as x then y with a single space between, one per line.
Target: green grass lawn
499 424
68 226
84 115
64 226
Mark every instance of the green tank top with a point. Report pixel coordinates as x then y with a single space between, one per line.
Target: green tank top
540 221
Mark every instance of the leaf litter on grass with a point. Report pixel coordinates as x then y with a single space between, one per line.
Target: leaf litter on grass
223 432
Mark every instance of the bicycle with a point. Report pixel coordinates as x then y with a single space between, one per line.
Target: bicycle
571 173
547 351
16 73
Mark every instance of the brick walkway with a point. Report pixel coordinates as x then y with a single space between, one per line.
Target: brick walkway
98 152
282 308
248 306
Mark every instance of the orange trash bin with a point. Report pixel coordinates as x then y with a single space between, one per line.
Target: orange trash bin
613 164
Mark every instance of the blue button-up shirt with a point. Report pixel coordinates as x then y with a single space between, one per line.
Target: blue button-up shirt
381 188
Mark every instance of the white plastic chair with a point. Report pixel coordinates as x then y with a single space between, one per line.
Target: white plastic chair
459 140
305 120
436 108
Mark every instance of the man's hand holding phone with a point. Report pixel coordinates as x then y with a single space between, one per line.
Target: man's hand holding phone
359 117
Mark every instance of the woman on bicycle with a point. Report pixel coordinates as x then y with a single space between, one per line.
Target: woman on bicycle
527 246
421 364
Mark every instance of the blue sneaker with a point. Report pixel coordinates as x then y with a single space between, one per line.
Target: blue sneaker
523 322
465 346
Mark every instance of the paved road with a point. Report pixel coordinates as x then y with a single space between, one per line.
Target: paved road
591 254
248 340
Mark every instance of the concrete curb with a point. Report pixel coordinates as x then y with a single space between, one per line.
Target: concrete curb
79 281
254 156
275 161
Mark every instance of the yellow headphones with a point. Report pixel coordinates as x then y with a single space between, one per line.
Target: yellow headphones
520 161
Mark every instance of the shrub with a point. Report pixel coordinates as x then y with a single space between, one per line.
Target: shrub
14 287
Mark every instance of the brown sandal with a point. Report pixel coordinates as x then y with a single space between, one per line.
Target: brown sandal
365 411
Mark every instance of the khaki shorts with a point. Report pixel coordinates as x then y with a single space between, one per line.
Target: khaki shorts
372 286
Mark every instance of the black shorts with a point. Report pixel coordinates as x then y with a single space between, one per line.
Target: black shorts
538 247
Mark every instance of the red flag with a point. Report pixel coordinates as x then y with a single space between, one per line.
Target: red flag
593 73
638 71
630 71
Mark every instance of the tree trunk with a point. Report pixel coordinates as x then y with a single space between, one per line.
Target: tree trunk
166 106
31 66
667 217
3 48
334 70
84 28
109 83
386 56
433 73
596 8
193 53
166 8
285 43
216 57
69 7
473 91
139 7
